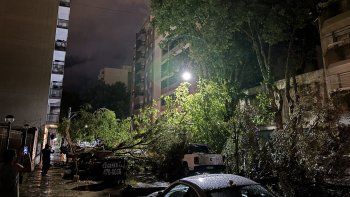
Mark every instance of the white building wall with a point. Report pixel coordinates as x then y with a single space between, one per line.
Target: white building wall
56 77
59 55
63 13
61 34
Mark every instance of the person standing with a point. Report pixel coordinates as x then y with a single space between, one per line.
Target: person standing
9 175
46 159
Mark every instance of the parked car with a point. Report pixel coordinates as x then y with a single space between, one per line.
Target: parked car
199 159
214 185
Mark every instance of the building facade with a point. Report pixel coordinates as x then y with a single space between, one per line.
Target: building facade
143 68
334 25
57 68
112 75
158 65
33 41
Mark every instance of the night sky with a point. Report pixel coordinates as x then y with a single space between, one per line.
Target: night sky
101 34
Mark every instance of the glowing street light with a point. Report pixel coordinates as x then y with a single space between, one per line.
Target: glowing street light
186 76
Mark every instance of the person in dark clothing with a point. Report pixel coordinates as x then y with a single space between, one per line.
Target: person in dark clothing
9 175
46 159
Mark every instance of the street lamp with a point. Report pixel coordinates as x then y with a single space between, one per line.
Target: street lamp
186 76
9 119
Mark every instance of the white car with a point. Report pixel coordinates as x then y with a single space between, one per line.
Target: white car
214 185
198 159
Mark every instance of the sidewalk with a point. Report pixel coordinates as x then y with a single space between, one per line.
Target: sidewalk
53 185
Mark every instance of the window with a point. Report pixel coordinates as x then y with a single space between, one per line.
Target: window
65 3
61 23
181 191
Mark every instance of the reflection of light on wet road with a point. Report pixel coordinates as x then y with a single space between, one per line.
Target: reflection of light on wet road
52 185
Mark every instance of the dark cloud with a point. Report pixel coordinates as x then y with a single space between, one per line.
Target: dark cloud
101 34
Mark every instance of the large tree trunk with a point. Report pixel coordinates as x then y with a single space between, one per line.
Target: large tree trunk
236 138
278 110
71 146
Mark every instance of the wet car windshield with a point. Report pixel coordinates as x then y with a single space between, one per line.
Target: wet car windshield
195 148
245 191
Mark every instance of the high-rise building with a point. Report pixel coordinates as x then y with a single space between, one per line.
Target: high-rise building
174 62
143 83
57 70
33 41
158 64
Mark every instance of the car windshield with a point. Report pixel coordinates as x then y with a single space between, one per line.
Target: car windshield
244 191
195 148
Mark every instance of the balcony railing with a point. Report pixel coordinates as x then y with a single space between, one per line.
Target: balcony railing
141 61
61 23
52 118
58 67
65 3
57 104
61 45
55 93
56 84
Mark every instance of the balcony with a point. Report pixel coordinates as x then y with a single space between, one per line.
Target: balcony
338 76
140 54
58 67
52 118
55 93
140 48
54 109
61 23
141 36
65 3
61 45
141 61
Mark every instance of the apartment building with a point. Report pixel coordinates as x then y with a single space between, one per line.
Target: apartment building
174 62
143 68
112 75
31 68
158 65
33 41
57 67
334 25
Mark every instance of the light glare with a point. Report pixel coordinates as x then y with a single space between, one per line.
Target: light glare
186 76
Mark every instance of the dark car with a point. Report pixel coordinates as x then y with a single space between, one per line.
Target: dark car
214 185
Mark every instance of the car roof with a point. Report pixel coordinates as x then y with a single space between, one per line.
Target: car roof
217 181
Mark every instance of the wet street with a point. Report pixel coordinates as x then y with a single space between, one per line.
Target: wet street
53 185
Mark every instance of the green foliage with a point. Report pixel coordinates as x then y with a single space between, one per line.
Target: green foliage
246 150
103 125
265 114
231 40
218 52
201 114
